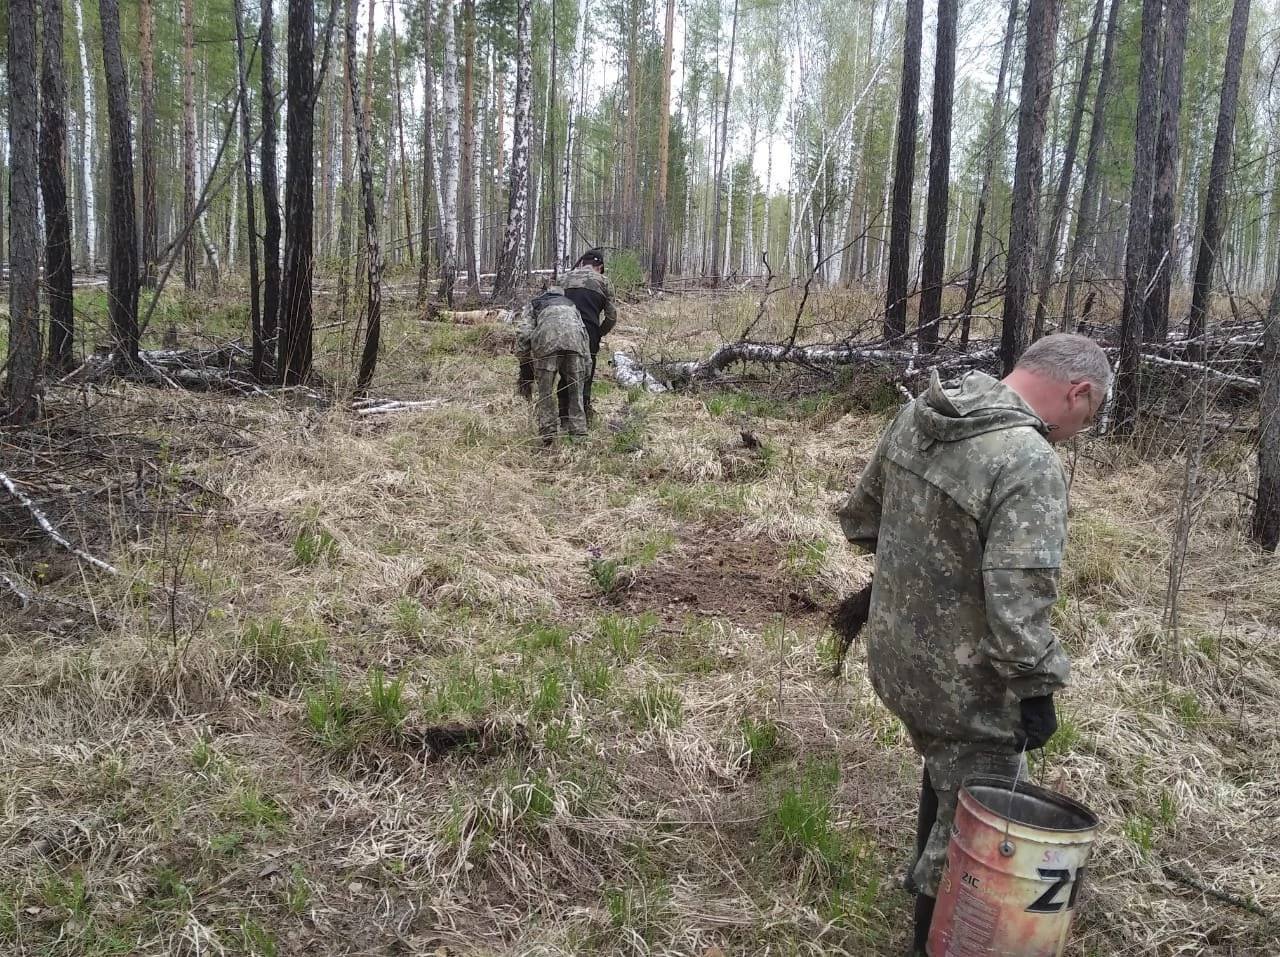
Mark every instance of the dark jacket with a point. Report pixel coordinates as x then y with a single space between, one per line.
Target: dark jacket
591 292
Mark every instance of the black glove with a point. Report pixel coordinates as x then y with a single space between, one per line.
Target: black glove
1039 722
524 383
847 621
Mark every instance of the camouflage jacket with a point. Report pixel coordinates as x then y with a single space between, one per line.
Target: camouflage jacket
964 503
549 324
592 293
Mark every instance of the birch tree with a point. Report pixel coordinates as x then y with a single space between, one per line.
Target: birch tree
87 220
255 311
449 172
511 261
718 238
373 327
271 228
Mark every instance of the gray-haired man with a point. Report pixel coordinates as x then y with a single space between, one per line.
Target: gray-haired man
964 503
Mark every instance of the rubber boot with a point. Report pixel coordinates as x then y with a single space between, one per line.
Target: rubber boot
923 921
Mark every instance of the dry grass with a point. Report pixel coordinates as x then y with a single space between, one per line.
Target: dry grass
403 697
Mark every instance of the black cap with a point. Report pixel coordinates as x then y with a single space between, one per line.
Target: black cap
592 257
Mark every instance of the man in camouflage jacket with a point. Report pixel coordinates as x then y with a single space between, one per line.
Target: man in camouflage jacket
964 504
552 339
589 288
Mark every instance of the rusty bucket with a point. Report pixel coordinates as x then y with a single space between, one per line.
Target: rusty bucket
1015 864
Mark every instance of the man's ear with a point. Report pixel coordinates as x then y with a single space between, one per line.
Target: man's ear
1080 391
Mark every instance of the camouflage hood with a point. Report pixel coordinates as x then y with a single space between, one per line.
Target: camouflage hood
972 405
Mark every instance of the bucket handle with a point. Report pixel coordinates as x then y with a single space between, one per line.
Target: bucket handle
1006 846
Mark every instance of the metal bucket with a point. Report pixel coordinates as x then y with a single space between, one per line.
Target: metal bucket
1014 868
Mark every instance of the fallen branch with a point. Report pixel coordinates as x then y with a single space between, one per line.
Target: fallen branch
48 528
680 374
630 374
24 599
1181 876
383 406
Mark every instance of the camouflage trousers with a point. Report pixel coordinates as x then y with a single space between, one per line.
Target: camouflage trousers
946 766
561 371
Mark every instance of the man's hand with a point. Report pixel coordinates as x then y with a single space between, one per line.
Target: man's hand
847 620
524 382
1039 721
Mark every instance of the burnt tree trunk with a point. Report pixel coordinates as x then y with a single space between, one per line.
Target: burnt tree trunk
270 189
904 166
1160 257
299 199
935 230
988 175
1087 209
1037 85
1139 238
1266 511
255 310
1219 167
147 138
1053 235
122 278
53 186
189 140
24 267
369 356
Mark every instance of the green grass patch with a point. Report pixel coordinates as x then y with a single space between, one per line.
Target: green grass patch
657 706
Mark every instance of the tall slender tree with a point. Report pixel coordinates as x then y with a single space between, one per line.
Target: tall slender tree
1024 220
1266 511
189 140
122 281
147 137
1160 251
404 160
1087 203
373 253
53 187
935 232
449 167
467 160
991 151
299 198
24 268
511 262
246 140
86 202
1139 234
1219 167
658 268
1053 235
271 228
904 171
717 254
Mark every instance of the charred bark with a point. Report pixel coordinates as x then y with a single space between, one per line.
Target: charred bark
122 283
294 365
24 268
53 186
935 230
895 314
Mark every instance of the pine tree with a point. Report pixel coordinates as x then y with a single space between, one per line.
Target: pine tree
122 284
53 187
295 293
24 270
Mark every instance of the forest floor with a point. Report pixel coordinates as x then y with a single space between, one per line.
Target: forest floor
410 684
